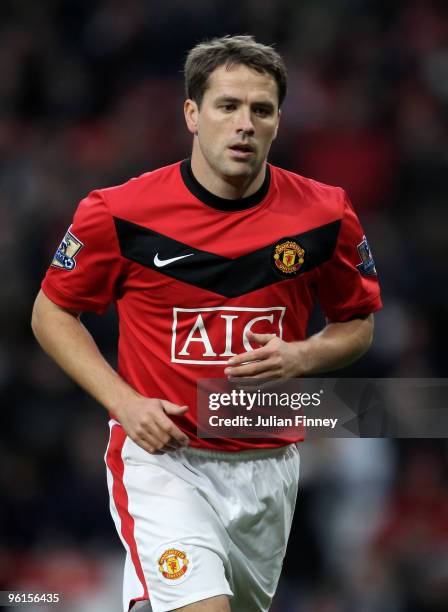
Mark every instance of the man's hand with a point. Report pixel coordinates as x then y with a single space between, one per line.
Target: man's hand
337 345
146 422
274 359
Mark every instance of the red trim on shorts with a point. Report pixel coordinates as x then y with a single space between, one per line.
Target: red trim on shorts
115 464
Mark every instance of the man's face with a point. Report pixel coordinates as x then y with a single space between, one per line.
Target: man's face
237 121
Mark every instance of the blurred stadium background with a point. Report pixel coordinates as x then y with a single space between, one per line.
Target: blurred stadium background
91 94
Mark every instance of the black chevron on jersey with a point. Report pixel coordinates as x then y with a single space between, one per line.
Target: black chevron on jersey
222 275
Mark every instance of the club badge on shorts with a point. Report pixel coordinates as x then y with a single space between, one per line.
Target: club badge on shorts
68 249
174 565
288 257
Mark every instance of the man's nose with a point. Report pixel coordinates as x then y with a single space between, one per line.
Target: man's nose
244 122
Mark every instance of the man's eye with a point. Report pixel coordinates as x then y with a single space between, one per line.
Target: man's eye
228 107
261 112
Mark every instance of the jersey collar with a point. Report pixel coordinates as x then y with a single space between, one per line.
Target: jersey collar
195 187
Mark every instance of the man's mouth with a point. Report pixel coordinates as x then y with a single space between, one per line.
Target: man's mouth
245 148
242 151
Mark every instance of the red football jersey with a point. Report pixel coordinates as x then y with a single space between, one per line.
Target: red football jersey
191 273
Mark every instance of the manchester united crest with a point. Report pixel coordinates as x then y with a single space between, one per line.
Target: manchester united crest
174 565
288 256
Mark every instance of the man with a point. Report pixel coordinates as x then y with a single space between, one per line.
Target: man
214 265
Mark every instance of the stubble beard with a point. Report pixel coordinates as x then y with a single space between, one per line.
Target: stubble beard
232 169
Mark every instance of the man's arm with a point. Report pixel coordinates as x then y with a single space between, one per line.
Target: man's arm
62 335
336 346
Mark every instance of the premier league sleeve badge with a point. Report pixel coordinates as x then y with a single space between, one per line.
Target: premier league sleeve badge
367 265
68 249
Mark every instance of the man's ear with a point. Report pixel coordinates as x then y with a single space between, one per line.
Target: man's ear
191 112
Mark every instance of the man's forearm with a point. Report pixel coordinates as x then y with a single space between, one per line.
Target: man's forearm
66 340
146 420
335 347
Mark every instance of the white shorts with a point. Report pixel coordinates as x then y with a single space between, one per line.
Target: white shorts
196 524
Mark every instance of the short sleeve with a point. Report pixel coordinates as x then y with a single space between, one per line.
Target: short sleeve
85 269
347 284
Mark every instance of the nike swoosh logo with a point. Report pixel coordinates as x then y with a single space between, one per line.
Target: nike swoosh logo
160 263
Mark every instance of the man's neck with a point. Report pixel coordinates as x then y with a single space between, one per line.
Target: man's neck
230 188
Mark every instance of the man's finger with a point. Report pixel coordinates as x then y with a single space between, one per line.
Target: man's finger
256 355
260 338
155 446
271 375
171 408
169 427
160 440
251 369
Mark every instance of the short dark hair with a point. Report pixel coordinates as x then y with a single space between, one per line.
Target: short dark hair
230 51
